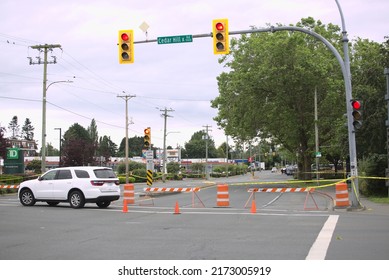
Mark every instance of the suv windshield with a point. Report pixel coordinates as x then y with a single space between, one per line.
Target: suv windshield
104 173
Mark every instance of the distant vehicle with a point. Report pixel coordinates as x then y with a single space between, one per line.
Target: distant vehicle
76 185
274 169
290 170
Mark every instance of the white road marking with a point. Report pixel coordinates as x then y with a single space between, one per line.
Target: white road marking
319 248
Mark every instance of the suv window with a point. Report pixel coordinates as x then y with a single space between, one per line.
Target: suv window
82 174
49 175
64 174
104 173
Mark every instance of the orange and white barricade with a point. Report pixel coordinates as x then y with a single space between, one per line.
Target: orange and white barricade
222 196
175 190
9 186
283 190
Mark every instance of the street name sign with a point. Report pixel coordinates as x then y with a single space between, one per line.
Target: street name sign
175 39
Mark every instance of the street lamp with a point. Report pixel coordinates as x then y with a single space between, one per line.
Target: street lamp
43 150
60 144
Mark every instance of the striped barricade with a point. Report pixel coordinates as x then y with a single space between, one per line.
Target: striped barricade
9 186
309 192
177 190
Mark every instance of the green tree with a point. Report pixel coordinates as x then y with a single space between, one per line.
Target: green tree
3 143
14 127
106 148
27 130
77 149
269 92
94 135
135 146
196 147
369 86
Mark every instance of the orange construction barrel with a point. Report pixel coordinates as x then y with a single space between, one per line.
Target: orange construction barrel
129 193
341 195
223 197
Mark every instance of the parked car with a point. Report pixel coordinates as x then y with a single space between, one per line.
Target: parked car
76 185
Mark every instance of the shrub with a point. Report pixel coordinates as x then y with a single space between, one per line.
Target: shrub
373 166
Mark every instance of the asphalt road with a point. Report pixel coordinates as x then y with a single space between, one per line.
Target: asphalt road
287 226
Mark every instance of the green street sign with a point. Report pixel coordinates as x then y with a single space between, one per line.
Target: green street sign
175 39
13 153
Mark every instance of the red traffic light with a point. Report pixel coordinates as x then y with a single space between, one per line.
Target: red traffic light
219 26
147 131
125 37
356 104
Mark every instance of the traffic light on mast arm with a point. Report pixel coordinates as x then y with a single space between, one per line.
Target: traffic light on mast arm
356 113
221 43
126 46
147 138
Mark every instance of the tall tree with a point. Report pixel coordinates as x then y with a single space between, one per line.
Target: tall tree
196 147
77 149
3 143
93 134
135 146
107 148
269 92
369 85
14 127
27 130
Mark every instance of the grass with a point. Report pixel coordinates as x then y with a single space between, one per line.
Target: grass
379 199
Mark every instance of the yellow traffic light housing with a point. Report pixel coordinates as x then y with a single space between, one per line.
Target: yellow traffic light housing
126 46
357 113
221 43
147 138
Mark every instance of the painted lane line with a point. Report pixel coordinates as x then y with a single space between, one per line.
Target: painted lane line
319 248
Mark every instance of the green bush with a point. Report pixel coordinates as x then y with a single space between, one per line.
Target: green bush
373 166
122 179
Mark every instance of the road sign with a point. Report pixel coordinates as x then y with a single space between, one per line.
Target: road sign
175 39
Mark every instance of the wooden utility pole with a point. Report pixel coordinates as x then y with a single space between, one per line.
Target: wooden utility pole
45 49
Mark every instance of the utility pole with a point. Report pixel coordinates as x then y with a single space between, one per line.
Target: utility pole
126 98
206 149
386 72
45 48
317 139
165 115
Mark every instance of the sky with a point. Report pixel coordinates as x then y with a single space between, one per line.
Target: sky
178 77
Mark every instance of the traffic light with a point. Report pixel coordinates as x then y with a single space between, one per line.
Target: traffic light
221 44
357 114
126 46
147 138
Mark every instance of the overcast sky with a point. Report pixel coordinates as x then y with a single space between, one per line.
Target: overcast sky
181 77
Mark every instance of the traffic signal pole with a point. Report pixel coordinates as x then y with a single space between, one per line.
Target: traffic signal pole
345 67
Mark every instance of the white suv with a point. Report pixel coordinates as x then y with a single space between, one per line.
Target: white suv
76 185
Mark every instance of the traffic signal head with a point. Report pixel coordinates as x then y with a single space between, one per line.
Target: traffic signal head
221 44
147 138
356 113
126 46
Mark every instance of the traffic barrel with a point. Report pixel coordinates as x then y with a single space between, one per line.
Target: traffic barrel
341 195
223 197
129 193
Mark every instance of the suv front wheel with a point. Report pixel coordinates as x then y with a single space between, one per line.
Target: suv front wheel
27 198
76 199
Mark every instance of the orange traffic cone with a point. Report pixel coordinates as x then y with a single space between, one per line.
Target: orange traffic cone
253 207
177 209
125 208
